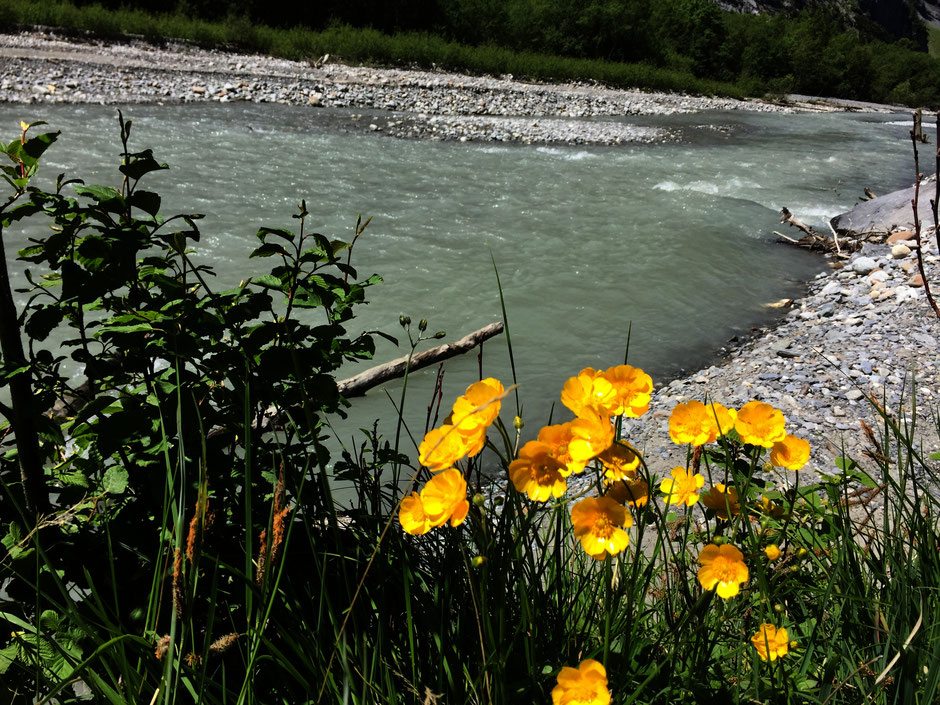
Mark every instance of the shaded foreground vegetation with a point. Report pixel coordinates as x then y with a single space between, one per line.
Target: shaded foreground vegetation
172 535
685 45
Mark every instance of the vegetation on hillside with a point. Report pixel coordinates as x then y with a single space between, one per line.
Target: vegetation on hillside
679 44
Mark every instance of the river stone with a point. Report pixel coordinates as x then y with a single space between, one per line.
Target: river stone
916 281
853 395
864 265
900 251
899 236
884 213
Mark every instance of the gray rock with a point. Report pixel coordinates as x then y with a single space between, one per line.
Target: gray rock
863 265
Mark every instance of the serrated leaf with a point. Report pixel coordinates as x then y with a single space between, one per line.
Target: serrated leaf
115 480
147 201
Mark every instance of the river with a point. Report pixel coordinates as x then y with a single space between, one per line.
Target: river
672 239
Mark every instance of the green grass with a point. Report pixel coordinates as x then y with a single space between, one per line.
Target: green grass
933 40
354 45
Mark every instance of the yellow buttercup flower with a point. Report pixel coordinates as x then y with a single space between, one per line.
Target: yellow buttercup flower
723 569
760 424
479 405
633 388
697 423
412 516
445 498
772 552
682 488
442 447
636 493
584 685
537 472
620 462
597 523
557 438
590 392
722 499
771 643
592 434
791 453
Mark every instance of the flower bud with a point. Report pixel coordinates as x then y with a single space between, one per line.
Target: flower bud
478 499
404 321
499 501
778 608
440 334
477 561
719 540
518 423
423 325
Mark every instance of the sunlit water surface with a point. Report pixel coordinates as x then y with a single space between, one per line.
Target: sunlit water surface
672 239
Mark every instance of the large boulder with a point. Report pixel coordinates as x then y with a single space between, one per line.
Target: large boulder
892 211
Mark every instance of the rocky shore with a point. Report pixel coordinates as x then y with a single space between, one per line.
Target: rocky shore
44 67
863 330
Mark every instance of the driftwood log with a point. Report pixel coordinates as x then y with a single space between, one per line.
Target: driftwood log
813 240
364 381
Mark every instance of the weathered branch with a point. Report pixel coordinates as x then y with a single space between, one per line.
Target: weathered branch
364 381
787 217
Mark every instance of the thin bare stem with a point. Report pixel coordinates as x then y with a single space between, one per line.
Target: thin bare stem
915 138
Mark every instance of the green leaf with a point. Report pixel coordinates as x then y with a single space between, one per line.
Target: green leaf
268 249
846 464
935 456
107 197
8 656
115 480
147 201
140 164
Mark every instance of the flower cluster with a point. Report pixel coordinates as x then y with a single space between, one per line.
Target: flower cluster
463 434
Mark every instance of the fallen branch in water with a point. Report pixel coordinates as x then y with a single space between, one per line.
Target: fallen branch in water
364 381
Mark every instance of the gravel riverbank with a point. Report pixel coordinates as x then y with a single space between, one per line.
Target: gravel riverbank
860 330
43 67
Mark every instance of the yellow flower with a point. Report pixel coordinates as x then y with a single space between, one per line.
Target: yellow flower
597 522
771 643
479 405
768 507
592 434
589 391
721 499
445 498
620 462
557 438
696 423
412 516
760 424
791 453
633 388
442 447
636 493
772 552
682 487
537 473
722 567
584 685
